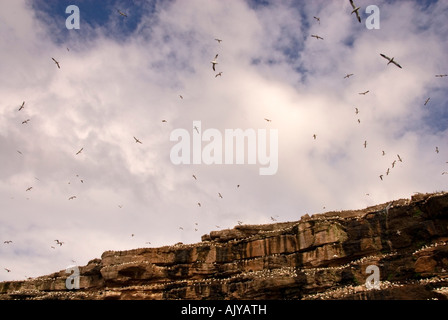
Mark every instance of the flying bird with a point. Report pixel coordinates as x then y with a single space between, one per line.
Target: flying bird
196 128
79 151
384 153
19 152
393 163
7 241
365 144
317 37
268 120
137 141
164 121
7 270
391 60
273 219
381 177
364 93
359 120
437 149
219 194
214 63
348 75
180 96
181 228
399 158
444 173
441 75
72 197
22 106
121 13
356 111
199 204
26 121
57 63
426 102
29 188
219 74
195 177
314 136
355 10
387 172
219 40
317 18
59 242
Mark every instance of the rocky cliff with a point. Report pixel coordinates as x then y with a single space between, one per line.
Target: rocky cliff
323 256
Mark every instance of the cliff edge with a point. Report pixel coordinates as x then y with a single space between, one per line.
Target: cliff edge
323 256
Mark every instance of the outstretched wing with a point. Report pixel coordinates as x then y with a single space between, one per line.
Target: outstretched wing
397 64
353 5
384 56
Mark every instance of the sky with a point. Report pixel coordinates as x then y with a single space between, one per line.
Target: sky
121 76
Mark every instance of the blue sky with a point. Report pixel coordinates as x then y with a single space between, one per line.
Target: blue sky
120 77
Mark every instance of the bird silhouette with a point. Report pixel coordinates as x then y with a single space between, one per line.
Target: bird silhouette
22 106
219 40
348 75
317 37
121 13
399 158
7 270
59 242
393 163
365 144
72 197
137 141
26 121
195 177
219 194
218 74
381 177
314 136
391 60
426 102
79 151
365 92
384 153
196 128
7 241
268 120
437 149
317 18
441 75
29 188
214 62
355 10
57 63
199 204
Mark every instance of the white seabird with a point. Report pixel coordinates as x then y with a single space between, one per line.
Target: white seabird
355 10
213 62
391 60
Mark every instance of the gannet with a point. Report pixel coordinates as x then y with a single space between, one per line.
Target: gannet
137 141
213 62
22 106
355 10
79 151
121 13
391 60
57 63
317 18
219 74
317 37
29 188
399 158
356 111
427 100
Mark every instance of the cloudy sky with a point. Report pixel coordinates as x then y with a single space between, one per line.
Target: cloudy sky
120 76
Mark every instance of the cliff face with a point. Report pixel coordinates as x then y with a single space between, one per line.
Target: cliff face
324 256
